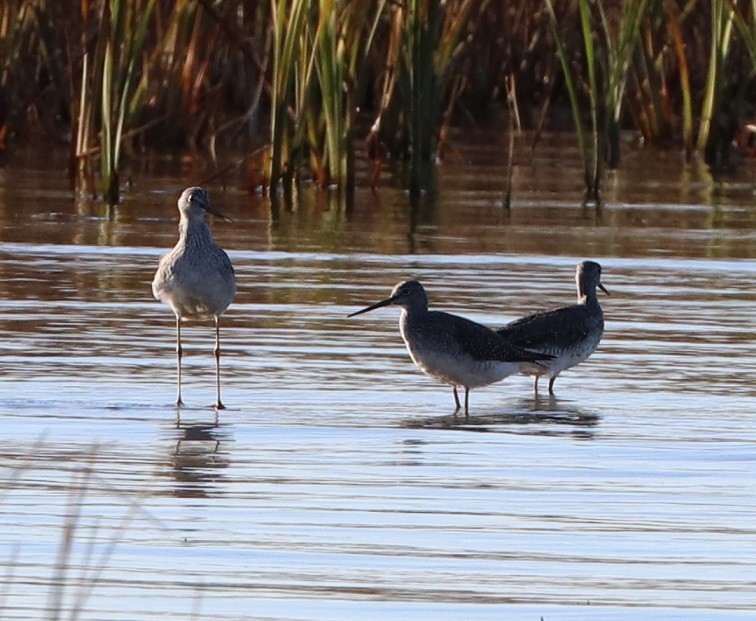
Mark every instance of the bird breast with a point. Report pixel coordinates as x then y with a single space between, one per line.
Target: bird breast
195 287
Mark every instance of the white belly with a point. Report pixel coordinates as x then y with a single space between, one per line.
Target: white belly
462 370
564 359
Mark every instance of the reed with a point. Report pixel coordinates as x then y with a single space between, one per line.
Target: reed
344 38
175 72
621 37
425 42
289 21
593 179
512 123
610 42
201 74
722 20
589 178
420 86
33 74
675 34
337 95
320 50
746 25
109 98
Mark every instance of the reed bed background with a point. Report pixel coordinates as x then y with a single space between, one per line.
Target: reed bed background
295 83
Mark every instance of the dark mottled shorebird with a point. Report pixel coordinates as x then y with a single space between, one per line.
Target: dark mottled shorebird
196 278
570 333
454 350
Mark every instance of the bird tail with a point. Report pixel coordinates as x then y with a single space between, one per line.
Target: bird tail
536 367
528 355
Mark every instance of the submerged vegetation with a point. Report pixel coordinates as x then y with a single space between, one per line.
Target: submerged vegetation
296 82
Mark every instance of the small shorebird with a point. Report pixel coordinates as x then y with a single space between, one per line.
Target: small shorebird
454 350
570 333
196 278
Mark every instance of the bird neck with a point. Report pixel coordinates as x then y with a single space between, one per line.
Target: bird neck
195 229
587 295
412 316
405 321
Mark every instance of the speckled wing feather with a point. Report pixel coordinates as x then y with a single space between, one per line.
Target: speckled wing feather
482 343
560 328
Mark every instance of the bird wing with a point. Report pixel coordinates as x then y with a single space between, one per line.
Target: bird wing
225 267
561 327
481 343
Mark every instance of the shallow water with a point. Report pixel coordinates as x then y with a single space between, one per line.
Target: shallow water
339 484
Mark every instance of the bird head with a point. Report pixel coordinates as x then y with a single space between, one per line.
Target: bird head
406 294
195 203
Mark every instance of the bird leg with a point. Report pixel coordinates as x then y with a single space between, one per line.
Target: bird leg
535 386
456 399
551 385
179 353
218 404
467 400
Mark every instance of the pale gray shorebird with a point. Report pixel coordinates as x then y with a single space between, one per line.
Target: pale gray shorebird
570 333
196 278
452 349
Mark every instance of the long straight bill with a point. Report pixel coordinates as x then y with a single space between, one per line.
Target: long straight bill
385 302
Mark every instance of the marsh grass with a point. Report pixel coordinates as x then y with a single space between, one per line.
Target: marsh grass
678 42
610 42
119 76
319 59
621 35
721 29
590 179
108 98
425 41
631 42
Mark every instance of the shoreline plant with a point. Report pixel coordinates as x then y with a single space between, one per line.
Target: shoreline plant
116 77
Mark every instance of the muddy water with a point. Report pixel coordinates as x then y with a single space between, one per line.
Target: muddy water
339 484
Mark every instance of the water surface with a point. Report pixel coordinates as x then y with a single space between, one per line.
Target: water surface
339 484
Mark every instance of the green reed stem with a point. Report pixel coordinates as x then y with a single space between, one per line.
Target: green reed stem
569 80
289 23
618 57
721 31
747 34
682 63
592 181
108 98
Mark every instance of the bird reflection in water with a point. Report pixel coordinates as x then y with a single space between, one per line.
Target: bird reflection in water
198 458
538 417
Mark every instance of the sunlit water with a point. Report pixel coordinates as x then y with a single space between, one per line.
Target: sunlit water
339 484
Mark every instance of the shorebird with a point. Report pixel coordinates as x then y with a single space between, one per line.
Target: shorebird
452 349
196 278
570 333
